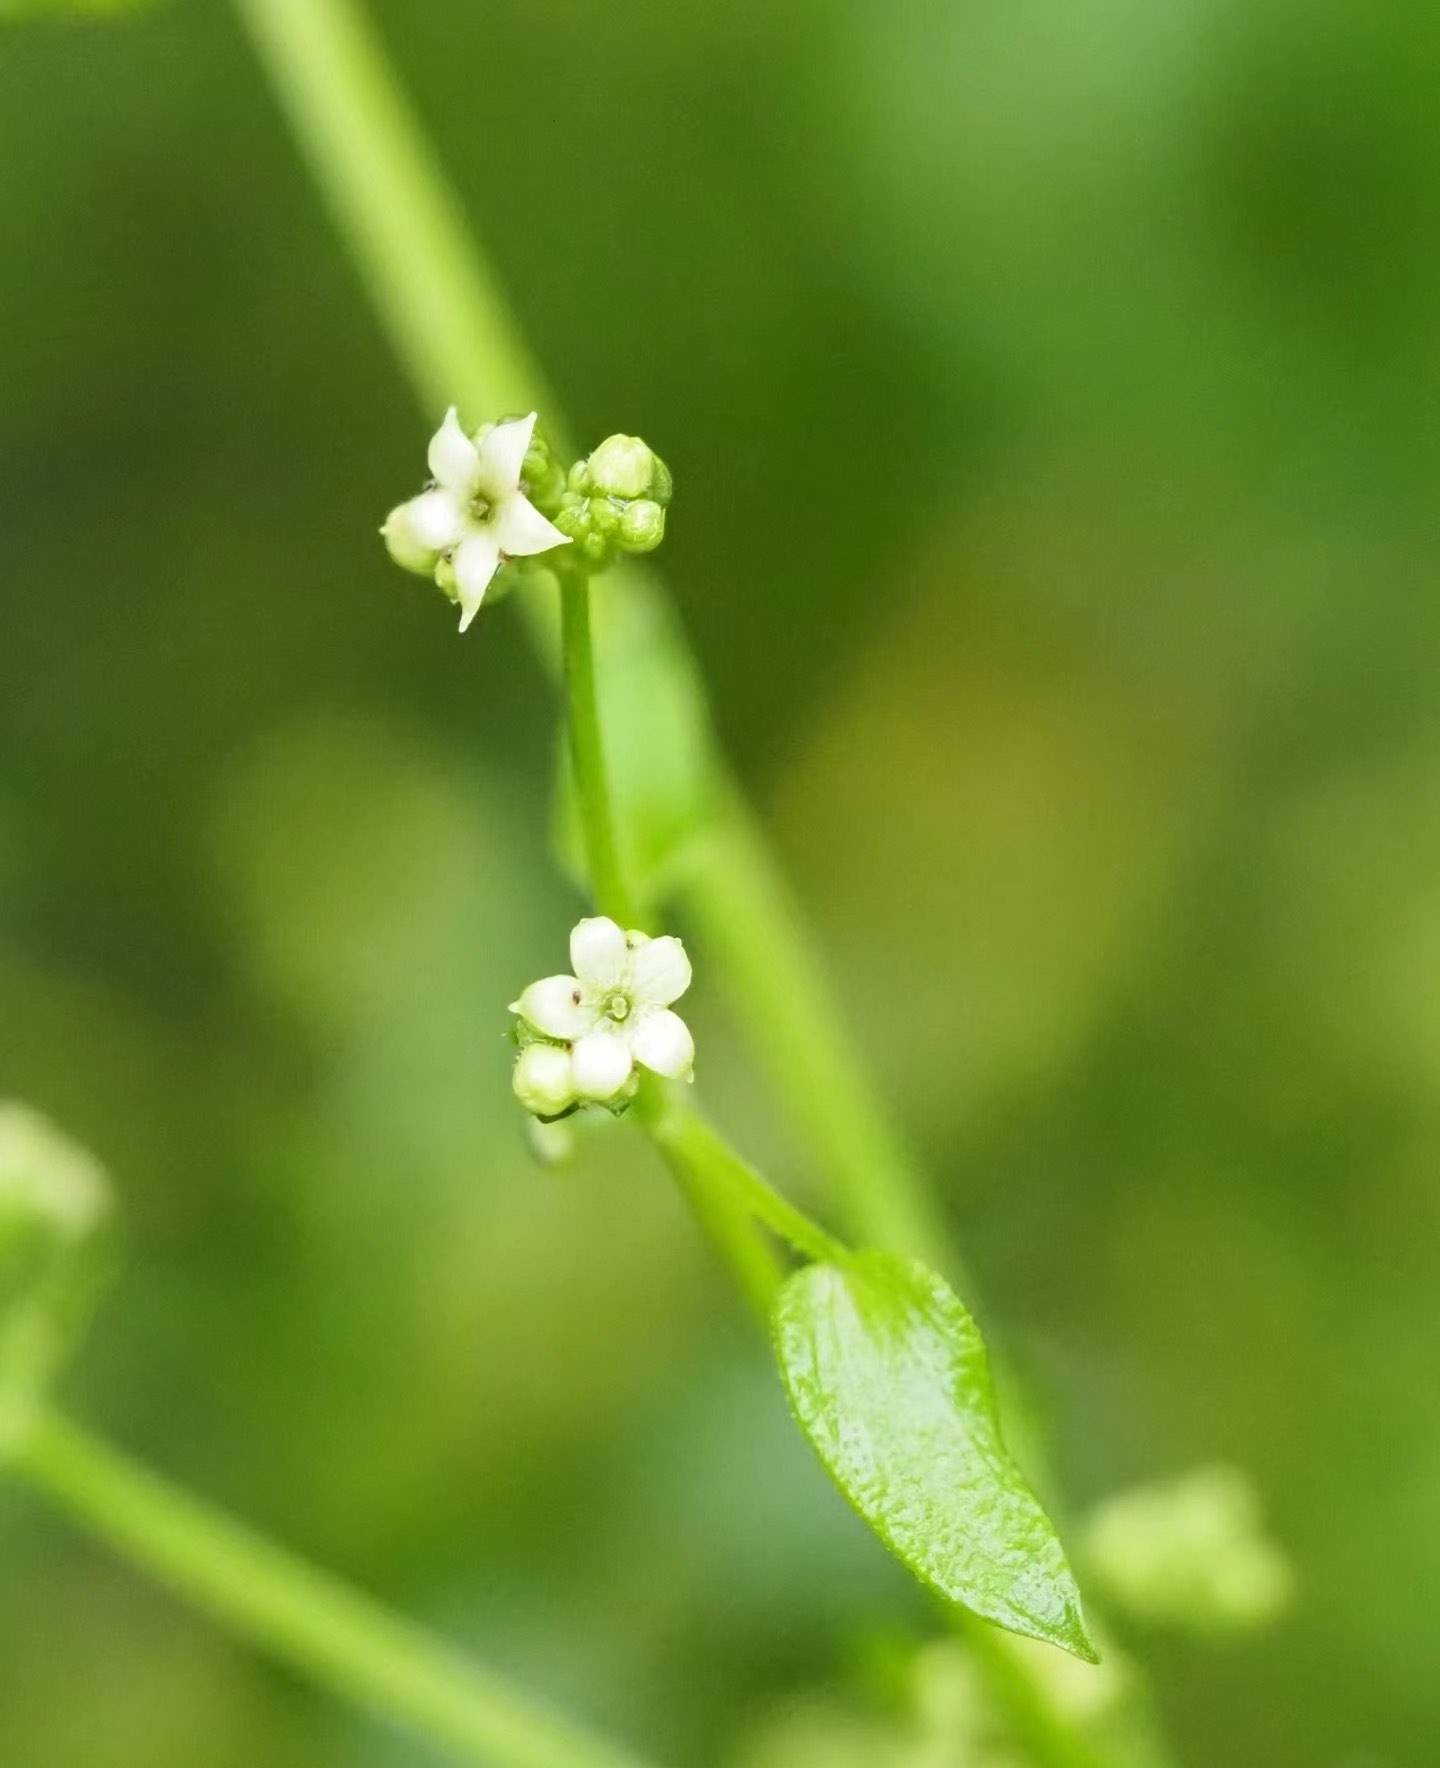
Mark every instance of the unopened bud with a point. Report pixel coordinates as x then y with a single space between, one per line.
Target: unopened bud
642 527
544 1080
404 545
622 466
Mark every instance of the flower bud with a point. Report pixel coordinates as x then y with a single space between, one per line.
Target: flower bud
46 1180
544 1080
622 466
54 1199
404 545
542 476
642 526
1191 1553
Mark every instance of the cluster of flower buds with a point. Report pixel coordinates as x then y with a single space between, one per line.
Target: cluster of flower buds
582 1036
615 502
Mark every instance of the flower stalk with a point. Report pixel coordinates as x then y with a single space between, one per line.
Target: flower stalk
587 754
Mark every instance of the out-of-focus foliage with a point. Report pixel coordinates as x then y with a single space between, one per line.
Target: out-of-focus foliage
1051 393
1192 1553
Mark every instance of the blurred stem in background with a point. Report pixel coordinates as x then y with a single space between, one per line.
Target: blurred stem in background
453 331
340 1637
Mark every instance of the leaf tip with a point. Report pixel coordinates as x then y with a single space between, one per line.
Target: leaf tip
1072 1635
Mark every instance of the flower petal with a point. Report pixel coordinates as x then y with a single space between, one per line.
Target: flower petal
659 972
556 1005
598 952
453 457
501 452
477 559
522 530
436 519
662 1041
601 1064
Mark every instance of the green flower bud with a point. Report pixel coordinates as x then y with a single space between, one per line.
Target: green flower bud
542 477
404 546
544 1080
642 527
622 466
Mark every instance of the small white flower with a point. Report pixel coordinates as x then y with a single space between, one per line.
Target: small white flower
475 515
615 1010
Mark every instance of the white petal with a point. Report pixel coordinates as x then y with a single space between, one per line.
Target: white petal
477 559
522 530
556 1005
662 1041
436 519
659 972
501 455
598 952
453 457
601 1064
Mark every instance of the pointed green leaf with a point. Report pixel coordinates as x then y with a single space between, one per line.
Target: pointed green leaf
888 1377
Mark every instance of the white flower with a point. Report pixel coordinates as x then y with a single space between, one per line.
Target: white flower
615 1010
475 515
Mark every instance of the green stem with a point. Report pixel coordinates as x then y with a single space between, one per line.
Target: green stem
312 1621
745 915
683 1136
587 753
728 1226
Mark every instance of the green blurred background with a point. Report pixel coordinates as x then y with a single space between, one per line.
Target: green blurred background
1051 391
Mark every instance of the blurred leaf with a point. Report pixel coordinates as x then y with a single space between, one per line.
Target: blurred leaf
889 1379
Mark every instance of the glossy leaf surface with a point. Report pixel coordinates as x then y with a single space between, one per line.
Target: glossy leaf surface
889 1379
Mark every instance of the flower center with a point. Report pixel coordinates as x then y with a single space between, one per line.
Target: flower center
617 1007
479 508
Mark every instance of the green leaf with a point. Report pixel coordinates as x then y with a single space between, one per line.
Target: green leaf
888 1377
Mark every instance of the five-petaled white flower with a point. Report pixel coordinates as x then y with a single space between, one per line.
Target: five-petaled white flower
461 529
615 1010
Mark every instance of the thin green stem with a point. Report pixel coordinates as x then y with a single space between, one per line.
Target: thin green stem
314 1622
683 1136
746 916
729 1227
587 752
